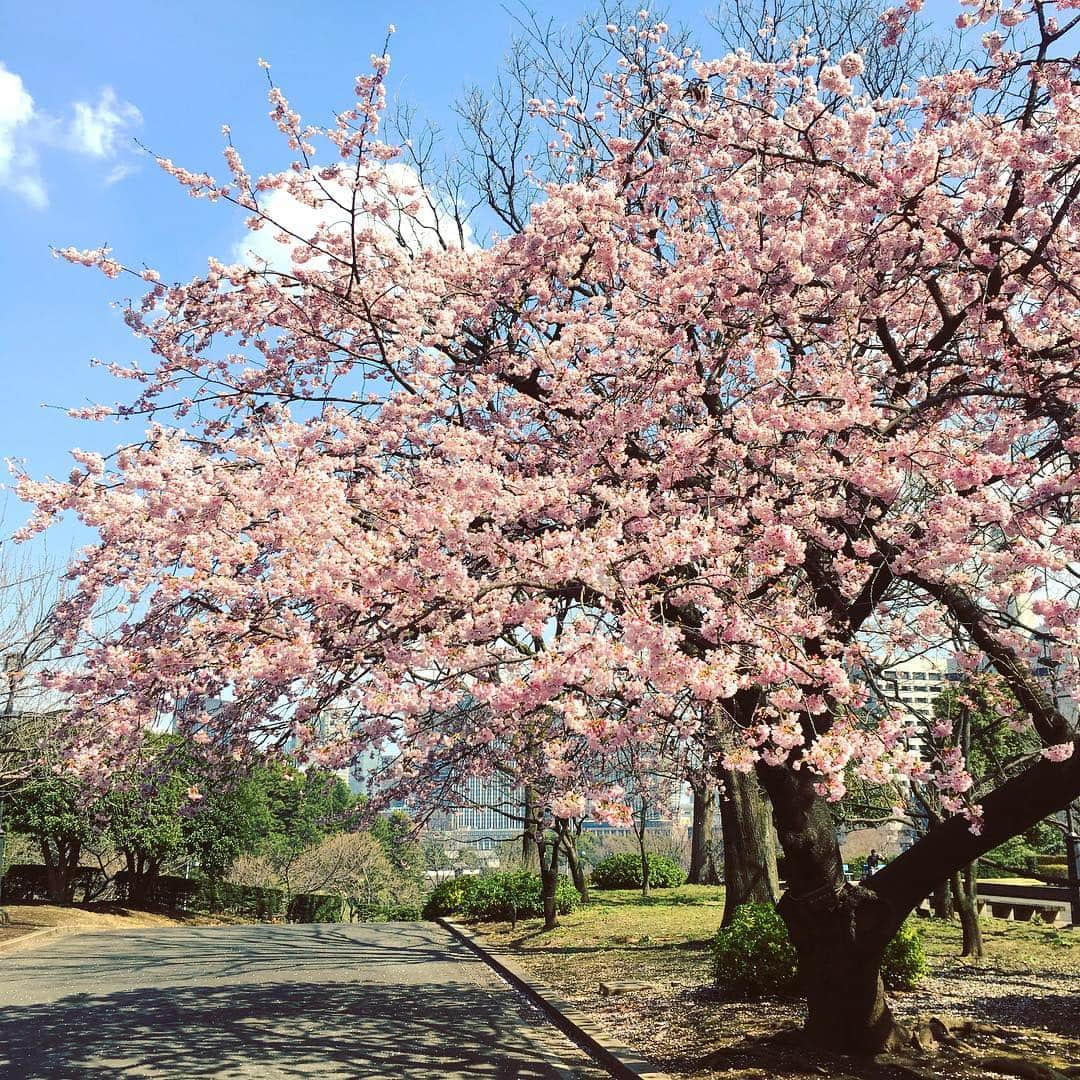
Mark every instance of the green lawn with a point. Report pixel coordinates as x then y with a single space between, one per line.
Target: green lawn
621 935
667 935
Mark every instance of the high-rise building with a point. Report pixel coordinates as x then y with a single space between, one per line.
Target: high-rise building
915 684
490 809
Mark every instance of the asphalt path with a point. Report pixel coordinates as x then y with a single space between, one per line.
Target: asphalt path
395 1000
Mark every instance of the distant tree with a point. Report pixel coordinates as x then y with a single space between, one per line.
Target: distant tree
443 855
396 832
303 808
29 641
232 819
51 809
146 828
353 866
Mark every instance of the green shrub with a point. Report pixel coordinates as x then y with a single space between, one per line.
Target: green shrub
315 908
515 894
904 962
495 897
754 955
400 913
448 897
624 872
382 912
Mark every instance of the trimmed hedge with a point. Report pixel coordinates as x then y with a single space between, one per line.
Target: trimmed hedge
204 896
26 882
314 908
497 897
753 956
624 872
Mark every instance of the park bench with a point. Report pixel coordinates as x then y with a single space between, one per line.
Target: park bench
1019 902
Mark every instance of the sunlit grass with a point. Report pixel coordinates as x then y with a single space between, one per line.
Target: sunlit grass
664 939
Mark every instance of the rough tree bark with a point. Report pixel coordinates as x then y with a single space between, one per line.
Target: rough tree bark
703 869
964 887
840 930
548 850
750 875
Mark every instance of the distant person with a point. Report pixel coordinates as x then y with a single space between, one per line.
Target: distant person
873 864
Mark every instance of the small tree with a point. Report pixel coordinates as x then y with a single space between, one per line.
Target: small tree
350 865
53 810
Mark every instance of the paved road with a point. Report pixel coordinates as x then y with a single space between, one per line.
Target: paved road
400 1000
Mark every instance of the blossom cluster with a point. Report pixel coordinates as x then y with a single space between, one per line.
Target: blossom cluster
653 468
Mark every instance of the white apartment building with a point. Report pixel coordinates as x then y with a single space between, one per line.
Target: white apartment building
915 685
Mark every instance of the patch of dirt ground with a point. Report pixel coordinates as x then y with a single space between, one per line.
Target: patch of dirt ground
25 919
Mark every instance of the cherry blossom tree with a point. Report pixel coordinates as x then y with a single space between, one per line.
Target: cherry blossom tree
777 378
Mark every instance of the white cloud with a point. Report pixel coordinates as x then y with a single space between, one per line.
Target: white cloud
118 173
18 159
400 186
95 130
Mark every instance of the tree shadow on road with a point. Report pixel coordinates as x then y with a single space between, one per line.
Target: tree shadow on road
184 953
322 1001
280 1029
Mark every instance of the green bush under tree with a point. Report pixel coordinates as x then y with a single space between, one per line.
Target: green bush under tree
623 871
753 955
505 896
448 897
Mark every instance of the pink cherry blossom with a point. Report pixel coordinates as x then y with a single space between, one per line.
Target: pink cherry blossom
743 406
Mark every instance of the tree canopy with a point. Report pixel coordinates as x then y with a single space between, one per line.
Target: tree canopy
778 378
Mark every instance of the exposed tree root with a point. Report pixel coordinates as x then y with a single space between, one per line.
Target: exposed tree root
928 1049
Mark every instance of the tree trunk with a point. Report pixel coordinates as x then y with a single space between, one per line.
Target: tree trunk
702 857
839 930
142 874
640 833
577 871
61 863
529 856
840 937
942 901
750 875
964 886
549 880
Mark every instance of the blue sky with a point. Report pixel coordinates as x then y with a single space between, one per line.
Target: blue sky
78 81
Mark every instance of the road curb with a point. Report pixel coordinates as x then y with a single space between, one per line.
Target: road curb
33 939
616 1058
